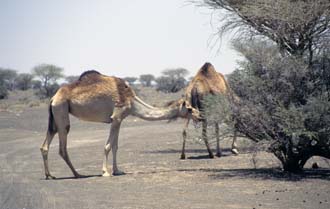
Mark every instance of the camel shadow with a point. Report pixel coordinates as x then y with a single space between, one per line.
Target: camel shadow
74 178
203 157
225 151
264 174
196 154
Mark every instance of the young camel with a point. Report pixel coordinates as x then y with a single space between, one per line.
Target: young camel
207 81
99 98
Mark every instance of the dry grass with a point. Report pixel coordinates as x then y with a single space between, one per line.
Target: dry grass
18 101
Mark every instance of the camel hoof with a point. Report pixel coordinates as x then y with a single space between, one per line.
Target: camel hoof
106 174
50 177
118 173
218 154
77 176
183 157
211 156
235 151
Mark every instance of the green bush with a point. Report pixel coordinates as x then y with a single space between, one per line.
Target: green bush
281 102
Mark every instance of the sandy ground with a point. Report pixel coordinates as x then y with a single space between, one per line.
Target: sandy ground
156 178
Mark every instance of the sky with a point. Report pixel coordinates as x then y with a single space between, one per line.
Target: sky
119 38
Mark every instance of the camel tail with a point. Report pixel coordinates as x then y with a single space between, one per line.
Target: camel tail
51 121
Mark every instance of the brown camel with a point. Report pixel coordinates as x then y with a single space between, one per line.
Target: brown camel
99 98
207 81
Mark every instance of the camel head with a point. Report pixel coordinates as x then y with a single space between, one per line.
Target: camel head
186 110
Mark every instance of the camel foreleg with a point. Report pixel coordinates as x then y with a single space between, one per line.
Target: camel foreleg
115 127
234 149
112 143
184 137
204 136
107 149
218 150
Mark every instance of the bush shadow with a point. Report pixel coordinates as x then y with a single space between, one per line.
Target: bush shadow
264 174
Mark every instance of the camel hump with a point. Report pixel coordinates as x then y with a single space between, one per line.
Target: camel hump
205 68
88 74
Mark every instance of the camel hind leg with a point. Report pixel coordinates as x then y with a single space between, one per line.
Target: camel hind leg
64 153
49 137
61 116
44 151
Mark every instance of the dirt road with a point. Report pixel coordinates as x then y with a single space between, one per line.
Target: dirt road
156 178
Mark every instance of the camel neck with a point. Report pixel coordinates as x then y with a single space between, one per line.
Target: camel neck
144 111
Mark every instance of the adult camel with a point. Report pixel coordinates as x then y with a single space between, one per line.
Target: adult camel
207 81
105 99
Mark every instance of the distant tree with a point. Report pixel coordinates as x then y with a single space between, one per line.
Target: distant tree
7 78
176 73
172 80
36 84
146 79
23 81
130 80
170 85
71 78
48 75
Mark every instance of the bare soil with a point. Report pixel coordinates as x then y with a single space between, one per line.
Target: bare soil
155 176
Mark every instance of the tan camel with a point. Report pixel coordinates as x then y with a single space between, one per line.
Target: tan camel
99 98
207 81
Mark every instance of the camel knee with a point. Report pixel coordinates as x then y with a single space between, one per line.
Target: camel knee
44 152
107 148
115 119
